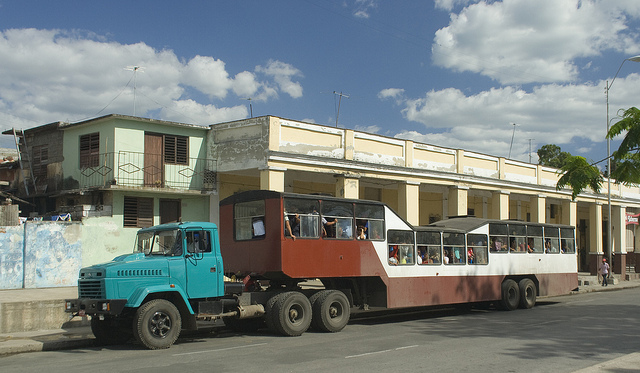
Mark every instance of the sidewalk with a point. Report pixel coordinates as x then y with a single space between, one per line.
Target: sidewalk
78 335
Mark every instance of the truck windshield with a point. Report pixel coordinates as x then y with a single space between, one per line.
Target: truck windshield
167 242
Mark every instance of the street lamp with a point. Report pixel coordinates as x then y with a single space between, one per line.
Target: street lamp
607 88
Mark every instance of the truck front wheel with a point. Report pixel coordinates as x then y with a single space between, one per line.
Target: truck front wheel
157 324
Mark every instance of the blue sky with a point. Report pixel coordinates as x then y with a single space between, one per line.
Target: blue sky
452 73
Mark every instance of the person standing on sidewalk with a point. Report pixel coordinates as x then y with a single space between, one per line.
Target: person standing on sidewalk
604 271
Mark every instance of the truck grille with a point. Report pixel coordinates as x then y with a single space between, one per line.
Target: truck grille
91 289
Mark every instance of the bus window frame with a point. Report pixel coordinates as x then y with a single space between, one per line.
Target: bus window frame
454 247
409 246
476 249
250 219
428 246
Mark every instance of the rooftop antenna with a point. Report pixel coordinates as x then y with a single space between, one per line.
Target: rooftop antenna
250 106
135 70
530 150
339 101
512 135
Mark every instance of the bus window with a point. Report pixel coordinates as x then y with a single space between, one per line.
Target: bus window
337 219
400 247
249 220
517 238
477 247
498 238
567 241
453 246
303 217
370 219
534 239
429 245
551 240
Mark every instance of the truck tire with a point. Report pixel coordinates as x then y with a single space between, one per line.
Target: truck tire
528 293
111 331
290 314
157 324
331 310
510 295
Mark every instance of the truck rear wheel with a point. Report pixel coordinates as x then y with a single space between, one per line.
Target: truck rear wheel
527 293
111 331
289 313
157 324
331 310
510 295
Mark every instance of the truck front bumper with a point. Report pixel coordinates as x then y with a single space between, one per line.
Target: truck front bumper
85 306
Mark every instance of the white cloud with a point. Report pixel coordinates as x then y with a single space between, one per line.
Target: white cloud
51 75
523 41
448 5
550 114
363 8
199 113
391 93
207 75
282 73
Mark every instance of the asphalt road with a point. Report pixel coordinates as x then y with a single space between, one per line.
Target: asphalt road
561 334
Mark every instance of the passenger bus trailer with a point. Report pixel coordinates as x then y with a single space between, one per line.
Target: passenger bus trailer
363 253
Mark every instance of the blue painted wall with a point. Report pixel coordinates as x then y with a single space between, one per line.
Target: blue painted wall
40 254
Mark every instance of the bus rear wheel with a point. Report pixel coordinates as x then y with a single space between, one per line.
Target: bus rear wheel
290 314
331 310
527 293
510 295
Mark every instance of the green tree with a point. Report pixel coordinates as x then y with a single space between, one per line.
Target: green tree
579 174
552 155
627 158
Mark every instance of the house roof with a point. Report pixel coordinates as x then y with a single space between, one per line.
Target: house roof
130 118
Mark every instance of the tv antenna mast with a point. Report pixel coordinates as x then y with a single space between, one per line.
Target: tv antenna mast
340 94
250 105
530 150
512 135
135 70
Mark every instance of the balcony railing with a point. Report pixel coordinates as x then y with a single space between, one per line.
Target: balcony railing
131 169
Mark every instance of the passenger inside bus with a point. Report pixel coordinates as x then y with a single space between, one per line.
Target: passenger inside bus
393 254
291 225
360 233
329 227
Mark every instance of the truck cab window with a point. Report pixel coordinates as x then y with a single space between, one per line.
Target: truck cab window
198 242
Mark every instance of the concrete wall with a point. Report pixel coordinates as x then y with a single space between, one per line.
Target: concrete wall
40 255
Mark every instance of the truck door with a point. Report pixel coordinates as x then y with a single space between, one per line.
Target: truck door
202 265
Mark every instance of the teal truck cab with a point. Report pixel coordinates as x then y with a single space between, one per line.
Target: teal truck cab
173 279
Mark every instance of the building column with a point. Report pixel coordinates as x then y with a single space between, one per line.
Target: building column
408 202
500 205
458 202
538 205
619 232
595 237
272 178
570 213
347 186
214 208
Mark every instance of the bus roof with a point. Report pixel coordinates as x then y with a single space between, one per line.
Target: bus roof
468 224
